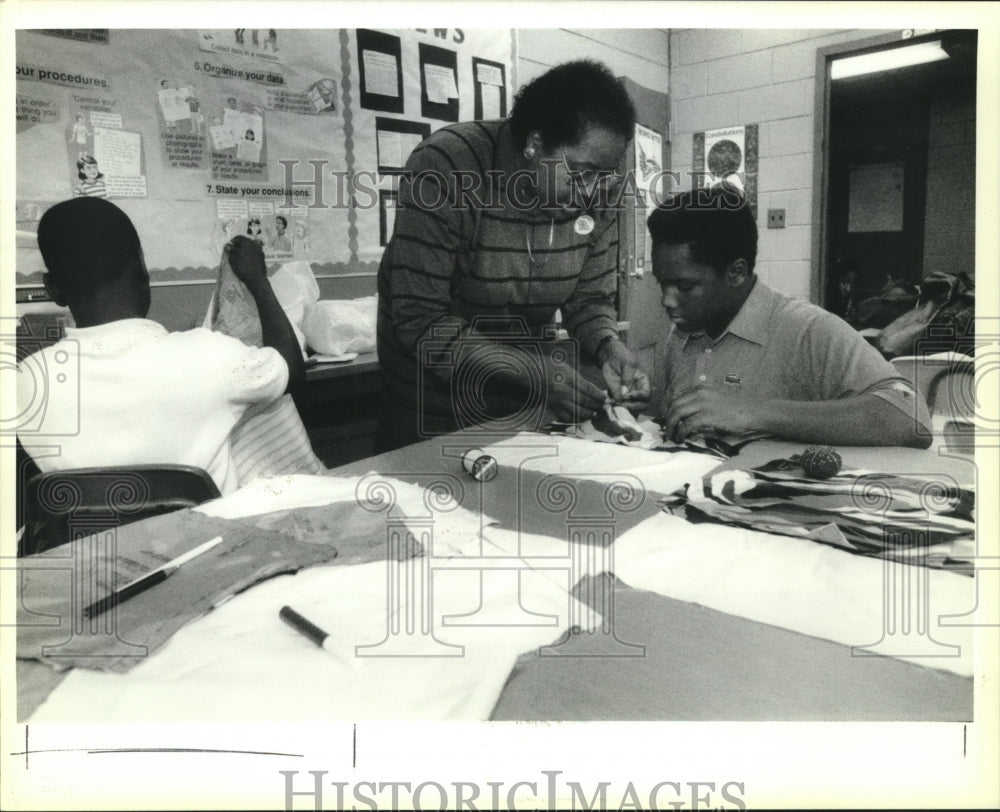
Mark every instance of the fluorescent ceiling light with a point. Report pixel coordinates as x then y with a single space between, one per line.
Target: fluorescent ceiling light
887 60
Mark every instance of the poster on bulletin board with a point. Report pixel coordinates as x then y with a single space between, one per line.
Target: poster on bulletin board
199 135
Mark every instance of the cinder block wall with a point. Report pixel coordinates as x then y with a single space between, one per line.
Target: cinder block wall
728 77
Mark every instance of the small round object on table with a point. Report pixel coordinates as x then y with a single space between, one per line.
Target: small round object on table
821 462
480 465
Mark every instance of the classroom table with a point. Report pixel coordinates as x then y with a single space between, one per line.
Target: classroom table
664 658
338 405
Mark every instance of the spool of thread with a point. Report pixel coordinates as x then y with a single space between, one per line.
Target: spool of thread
479 465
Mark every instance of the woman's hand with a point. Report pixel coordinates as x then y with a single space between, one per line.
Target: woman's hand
626 380
569 396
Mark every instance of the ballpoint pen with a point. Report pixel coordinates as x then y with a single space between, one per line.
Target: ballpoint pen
148 580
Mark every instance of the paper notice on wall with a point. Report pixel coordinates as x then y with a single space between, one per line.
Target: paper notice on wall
489 75
491 100
118 152
259 208
112 121
407 143
228 208
390 152
875 200
380 73
125 186
648 158
440 81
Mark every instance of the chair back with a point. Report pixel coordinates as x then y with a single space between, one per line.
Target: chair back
947 383
62 506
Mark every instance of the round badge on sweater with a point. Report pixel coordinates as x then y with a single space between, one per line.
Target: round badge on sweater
584 224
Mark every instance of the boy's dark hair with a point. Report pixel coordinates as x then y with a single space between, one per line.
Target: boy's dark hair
564 101
716 223
87 242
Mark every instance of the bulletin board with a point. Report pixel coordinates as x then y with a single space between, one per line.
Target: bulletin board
296 138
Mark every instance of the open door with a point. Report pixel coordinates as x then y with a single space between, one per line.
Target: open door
898 169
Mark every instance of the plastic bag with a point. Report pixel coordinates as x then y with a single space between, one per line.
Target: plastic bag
234 312
340 326
899 337
945 300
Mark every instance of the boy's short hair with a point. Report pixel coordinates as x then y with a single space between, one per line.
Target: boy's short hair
87 242
715 222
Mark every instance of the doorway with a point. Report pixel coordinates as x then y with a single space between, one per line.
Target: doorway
896 156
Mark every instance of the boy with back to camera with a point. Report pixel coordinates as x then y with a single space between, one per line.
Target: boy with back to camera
147 395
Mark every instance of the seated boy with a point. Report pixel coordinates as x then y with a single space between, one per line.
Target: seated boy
742 358
145 395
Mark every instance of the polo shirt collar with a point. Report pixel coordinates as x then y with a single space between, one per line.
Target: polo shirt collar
752 321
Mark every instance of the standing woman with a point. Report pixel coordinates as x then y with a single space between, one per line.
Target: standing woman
496 229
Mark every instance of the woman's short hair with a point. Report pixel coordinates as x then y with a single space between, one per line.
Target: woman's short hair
717 223
564 101
284 221
253 221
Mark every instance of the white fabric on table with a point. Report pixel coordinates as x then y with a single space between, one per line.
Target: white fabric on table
659 471
241 662
803 586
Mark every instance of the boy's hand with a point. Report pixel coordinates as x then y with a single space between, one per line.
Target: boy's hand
246 258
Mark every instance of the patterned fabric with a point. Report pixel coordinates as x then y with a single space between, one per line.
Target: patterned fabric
926 520
459 266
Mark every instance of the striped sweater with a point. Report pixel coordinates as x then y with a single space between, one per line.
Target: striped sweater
463 266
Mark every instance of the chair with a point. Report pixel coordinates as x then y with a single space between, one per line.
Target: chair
62 506
947 382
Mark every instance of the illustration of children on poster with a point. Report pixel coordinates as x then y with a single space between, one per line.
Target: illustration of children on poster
238 144
258 43
80 135
182 130
91 179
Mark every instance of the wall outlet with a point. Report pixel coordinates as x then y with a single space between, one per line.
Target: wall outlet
775 218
